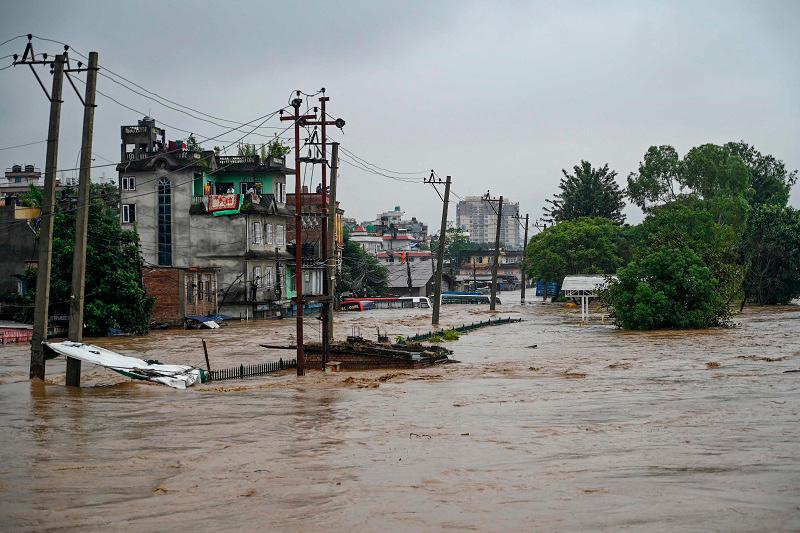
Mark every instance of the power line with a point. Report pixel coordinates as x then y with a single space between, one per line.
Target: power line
23 145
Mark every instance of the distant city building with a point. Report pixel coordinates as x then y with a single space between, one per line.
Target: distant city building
479 220
397 233
370 242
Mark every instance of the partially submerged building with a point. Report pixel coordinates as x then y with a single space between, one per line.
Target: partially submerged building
212 228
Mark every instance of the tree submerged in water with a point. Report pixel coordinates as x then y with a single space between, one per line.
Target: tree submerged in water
114 298
667 288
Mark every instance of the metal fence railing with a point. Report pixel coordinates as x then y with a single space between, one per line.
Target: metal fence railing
246 371
464 328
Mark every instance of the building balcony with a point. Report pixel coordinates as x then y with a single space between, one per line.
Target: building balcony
228 160
185 155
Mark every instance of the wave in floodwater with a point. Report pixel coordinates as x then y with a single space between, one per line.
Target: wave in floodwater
544 425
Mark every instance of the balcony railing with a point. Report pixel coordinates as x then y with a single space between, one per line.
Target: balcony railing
238 159
186 155
224 160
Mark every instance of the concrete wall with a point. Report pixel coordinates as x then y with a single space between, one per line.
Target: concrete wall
17 245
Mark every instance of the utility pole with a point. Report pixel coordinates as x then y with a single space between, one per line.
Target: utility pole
298 230
330 265
41 312
437 283
327 310
408 273
499 212
73 378
522 263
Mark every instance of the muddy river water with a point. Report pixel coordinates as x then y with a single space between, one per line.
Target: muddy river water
593 428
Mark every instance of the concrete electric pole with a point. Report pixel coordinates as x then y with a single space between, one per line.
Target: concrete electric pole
437 284
73 378
499 212
42 304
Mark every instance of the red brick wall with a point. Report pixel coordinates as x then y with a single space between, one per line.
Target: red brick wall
165 286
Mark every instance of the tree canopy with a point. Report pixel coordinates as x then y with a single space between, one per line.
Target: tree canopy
582 246
733 170
361 274
771 252
114 295
667 288
588 192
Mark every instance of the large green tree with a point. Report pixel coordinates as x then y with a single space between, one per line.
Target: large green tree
770 181
667 288
114 296
727 173
771 252
588 192
582 246
689 223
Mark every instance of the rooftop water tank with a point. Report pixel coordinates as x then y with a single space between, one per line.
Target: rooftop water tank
29 168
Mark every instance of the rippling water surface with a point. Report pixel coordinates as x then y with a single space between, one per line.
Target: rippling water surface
593 428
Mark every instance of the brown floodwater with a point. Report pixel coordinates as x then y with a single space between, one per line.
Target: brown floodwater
594 428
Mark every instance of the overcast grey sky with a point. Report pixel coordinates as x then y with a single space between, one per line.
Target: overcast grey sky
500 95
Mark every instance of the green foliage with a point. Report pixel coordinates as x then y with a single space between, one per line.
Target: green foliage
456 244
589 192
362 274
581 246
451 335
711 170
667 288
32 198
435 339
770 181
771 250
658 177
734 171
192 145
245 149
687 223
114 295
278 149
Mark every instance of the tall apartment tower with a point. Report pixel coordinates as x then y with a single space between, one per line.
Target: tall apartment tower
477 217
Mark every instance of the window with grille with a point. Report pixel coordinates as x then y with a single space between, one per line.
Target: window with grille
257 237
164 222
269 233
280 235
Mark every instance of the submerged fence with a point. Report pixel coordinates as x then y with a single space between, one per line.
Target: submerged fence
464 328
246 371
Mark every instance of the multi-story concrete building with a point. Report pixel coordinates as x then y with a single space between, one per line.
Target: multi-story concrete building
219 220
476 216
311 234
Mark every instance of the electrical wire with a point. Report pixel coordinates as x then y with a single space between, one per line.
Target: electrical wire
23 145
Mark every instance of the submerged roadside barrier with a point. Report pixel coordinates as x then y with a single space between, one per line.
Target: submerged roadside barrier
246 371
464 328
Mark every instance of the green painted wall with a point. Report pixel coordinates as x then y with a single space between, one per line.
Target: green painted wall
235 178
287 290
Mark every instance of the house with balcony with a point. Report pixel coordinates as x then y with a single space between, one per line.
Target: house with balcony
221 221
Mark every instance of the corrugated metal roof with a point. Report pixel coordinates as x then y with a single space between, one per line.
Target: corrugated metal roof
421 273
583 283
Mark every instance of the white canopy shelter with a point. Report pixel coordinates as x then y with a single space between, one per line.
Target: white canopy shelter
584 287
